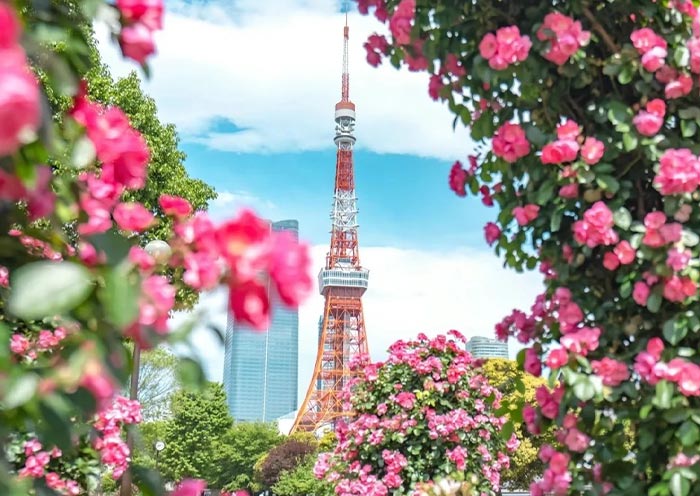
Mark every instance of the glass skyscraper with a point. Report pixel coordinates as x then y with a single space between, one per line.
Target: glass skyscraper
481 347
261 368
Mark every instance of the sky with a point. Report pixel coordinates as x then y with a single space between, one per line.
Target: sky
251 86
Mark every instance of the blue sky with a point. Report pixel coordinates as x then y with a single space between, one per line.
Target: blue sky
251 86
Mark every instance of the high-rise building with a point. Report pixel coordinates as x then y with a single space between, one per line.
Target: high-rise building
481 347
261 367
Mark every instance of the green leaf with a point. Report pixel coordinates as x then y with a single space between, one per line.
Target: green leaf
584 388
664 393
608 183
681 56
622 218
120 295
44 289
115 246
689 238
674 331
555 221
626 74
654 302
688 433
190 373
629 141
535 135
20 390
619 113
507 430
689 113
688 128
679 486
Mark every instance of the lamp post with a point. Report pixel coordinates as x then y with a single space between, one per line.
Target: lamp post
160 251
159 446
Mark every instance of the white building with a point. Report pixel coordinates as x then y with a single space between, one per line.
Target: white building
481 347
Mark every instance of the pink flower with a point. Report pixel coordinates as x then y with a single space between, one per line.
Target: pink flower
559 152
453 66
568 131
648 122
689 380
132 217
435 86
376 45
458 178
491 232
244 244
625 253
592 150
557 358
565 37
510 142
175 206
596 228
646 39
157 300
678 259
640 293
406 400
694 48
19 344
569 191
532 365
679 172
549 401
458 456
582 341
678 87
249 303
400 23
610 261
677 289
98 382
9 27
137 43
525 215
654 59
147 12
141 258
683 213
505 48
202 270
4 277
290 267
190 487
612 372
20 110
576 441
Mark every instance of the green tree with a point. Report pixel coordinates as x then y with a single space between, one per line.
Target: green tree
238 451
285 457
518 387
301 480
193 435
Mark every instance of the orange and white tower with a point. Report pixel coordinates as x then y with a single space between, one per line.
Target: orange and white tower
342 282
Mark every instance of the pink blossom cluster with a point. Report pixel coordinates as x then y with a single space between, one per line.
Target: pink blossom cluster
39 198
141 18
451 70
564 35
401 21
376 46
649 121
557 478
114 452
597 227
678 84
525 214
566 148
510 143
679 172
36 466
505 48
612 372
652 48
680 371
46 340
380 11
658 232
570 436
387 412
492 232
20 109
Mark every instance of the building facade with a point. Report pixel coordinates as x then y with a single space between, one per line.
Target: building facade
481 347
261 368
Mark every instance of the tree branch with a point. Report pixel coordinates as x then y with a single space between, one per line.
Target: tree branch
598 28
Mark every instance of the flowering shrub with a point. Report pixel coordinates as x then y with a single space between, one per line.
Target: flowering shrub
588 148
425 413
75 282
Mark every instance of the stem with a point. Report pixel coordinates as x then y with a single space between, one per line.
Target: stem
598 28
640 199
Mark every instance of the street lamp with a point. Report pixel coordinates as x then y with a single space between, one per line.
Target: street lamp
160 251
159 446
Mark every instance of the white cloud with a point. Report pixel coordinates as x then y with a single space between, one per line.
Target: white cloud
410 291
228 202
273 69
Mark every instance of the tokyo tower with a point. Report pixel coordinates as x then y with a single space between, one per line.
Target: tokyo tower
342 282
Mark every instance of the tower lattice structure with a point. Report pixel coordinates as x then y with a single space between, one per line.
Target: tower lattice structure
342 282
